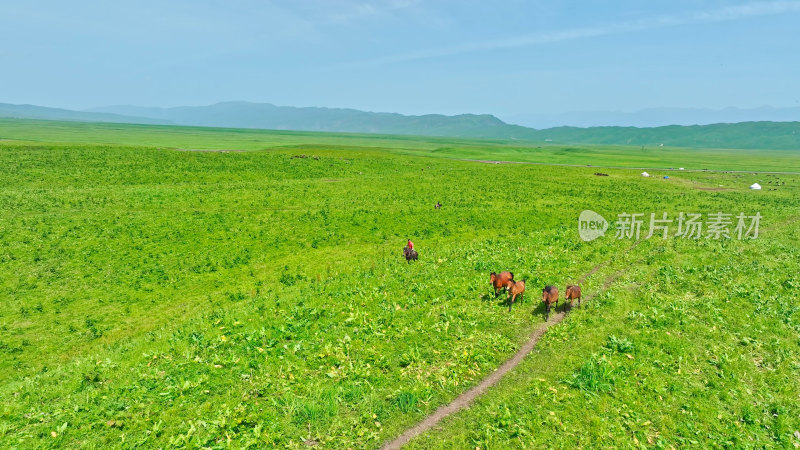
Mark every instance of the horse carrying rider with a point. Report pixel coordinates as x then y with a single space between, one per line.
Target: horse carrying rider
409 252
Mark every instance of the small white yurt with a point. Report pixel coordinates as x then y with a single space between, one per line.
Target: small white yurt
755 186
645 174
681 168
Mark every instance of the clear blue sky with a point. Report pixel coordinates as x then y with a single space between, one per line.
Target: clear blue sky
407 56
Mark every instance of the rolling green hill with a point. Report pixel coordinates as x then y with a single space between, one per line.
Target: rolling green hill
208 138
751 135
745 135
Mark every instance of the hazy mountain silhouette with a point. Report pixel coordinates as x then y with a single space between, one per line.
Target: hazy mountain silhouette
656 117
269 116
41 112
753 135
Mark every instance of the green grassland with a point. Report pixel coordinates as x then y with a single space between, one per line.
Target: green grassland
699 349
162 298
198 138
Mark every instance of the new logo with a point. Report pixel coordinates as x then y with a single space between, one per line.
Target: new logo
591 225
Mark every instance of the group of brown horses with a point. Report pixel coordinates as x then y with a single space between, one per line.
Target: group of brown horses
516 289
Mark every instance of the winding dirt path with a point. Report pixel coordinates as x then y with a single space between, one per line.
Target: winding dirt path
465 400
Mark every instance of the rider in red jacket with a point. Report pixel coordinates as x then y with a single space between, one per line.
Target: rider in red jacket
410 244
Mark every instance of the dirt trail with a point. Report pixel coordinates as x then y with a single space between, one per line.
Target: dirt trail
466 399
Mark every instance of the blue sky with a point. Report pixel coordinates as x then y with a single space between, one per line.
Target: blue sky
409 56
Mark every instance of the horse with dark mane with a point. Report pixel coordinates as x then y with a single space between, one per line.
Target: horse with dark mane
573 292
410 254
500 281
515 289
549 296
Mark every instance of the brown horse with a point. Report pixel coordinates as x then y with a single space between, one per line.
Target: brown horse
499 281
573 292
515 289
549 296
410 254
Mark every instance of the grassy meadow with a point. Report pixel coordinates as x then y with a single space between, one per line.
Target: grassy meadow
541 152
158 297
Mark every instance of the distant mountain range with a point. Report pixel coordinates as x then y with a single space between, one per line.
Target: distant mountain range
744 135
269 116
656 117
41 112
754 135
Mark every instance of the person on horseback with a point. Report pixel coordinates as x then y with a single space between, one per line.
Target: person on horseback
409 252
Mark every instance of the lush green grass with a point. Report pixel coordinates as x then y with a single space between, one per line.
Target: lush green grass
543 152
162 298
692 347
